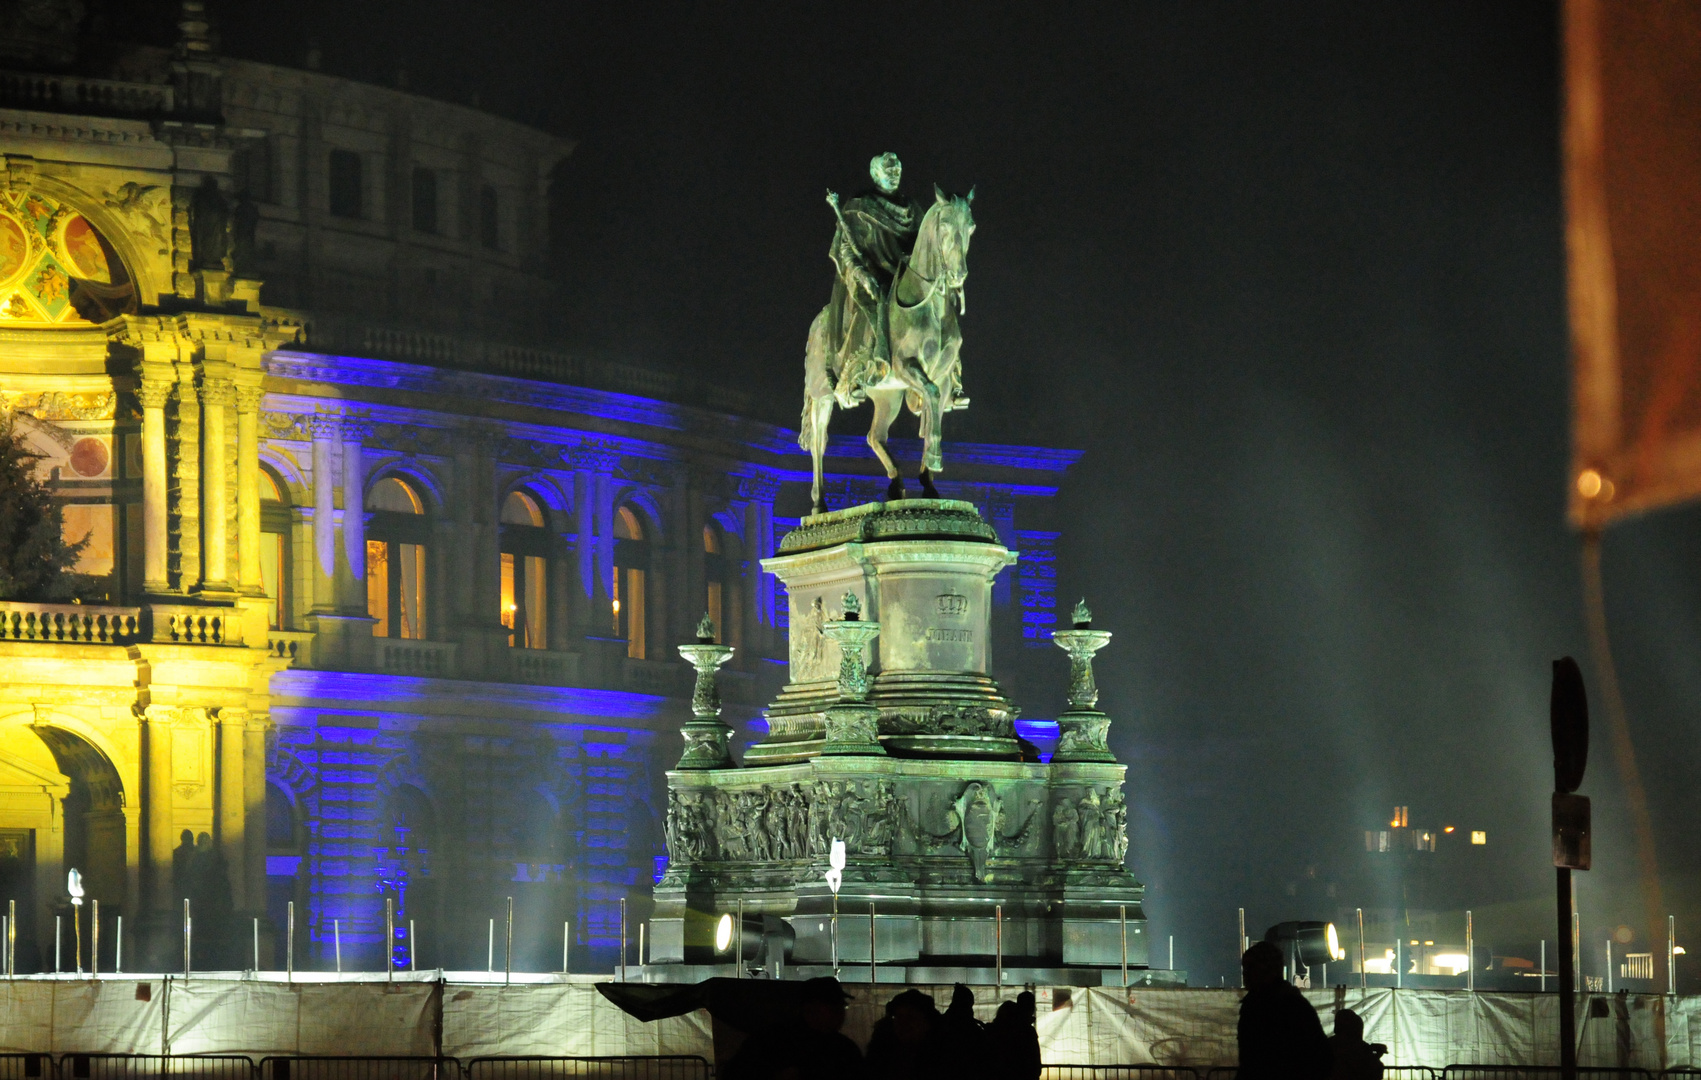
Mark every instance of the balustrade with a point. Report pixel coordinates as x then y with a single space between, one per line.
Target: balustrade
428 659
69 623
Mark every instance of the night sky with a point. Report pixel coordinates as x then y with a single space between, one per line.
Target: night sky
1291 276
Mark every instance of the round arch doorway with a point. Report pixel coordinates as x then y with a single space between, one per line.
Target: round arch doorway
66 809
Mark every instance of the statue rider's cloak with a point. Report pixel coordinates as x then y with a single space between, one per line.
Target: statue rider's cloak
882 229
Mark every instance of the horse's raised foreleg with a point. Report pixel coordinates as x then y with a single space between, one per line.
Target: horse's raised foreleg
885 410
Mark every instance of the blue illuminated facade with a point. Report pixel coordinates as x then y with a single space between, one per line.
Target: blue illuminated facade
499 722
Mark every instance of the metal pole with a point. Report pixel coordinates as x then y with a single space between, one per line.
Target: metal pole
188 939
289 943
508 945
1363 977
1671 954
835 935
623 936
5 927
566 943
490 950
1544 965
873 950
641 928
118 949
1399 964
94 939
1172 952
413 948
11 939
337 942
737 939
1567 974
1122 914
256 944
998 943
57 934
1609 965
77 937
1470 956
1240 946
389 939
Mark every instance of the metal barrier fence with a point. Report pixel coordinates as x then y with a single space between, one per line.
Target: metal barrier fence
149 1066
1543 1072
1118 1072
358 1068
24 1066
661 1067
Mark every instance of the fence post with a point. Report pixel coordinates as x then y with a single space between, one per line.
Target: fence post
1671 954
1122 915
188 939
289 943
1470 956
873 949
1240 947
508 947
1363 976
998 944
389 939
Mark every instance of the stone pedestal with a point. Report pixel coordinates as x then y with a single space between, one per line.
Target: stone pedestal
923 569
893 737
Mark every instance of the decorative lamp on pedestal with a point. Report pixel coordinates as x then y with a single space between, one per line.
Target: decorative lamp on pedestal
708 741
853 725
1082 729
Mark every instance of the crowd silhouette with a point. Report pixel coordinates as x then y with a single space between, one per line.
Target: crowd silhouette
1280 1037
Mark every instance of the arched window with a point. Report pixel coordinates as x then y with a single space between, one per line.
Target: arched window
406 850
395 560
525 572
274 549
631 560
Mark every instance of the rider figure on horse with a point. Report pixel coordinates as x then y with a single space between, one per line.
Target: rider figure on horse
876 231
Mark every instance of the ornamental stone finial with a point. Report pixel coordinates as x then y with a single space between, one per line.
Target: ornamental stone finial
1082 730
853 725
708 741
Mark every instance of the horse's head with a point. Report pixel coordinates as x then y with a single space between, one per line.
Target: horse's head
942 244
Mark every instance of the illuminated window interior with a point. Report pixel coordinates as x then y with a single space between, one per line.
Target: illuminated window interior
1478 836
274 548
628 599
395 561
525 572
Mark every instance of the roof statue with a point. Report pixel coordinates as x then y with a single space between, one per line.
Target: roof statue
889 334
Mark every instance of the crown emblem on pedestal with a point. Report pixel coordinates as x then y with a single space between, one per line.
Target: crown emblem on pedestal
952 605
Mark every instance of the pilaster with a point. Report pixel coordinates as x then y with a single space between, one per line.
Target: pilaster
232 822
153 394
217 395
248 489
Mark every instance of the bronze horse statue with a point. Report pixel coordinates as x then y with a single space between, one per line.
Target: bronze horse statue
921 310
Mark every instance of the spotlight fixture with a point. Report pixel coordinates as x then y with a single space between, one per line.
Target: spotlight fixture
1306 943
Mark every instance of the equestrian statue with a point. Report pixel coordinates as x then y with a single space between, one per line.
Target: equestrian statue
890 334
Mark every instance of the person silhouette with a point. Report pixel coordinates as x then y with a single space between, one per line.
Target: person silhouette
1280 1035
904 1043
1015 1043
1355 1059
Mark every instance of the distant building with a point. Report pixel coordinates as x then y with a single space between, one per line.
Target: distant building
386 585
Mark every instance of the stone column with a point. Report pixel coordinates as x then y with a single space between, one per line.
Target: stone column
324 515
156 814
584 529
603 509
217 395
354 513
155 541
254 800
761 489
185 479
248 488
232 821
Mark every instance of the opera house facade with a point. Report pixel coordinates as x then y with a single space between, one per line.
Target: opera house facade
384 584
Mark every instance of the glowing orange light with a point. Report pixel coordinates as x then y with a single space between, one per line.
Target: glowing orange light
1448 828
1589 483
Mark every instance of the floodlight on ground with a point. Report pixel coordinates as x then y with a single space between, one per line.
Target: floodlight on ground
723 934
1306 943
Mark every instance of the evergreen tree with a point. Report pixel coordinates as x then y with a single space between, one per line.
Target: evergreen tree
35 560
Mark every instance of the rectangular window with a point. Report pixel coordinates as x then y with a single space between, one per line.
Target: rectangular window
251 169
395 589
714 608
536 624
347 194
378 586
271 577
424 200
510 606
489 224
411 594
634 613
